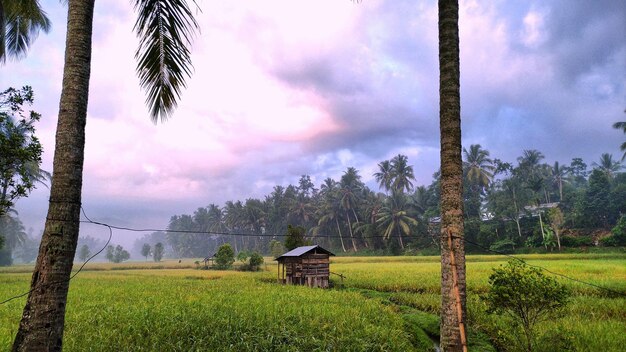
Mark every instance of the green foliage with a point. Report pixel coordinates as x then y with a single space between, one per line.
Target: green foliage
84 252
618 234
276 248
577 241
20 148
225 257
5 257
145 250
157 254
503 246
117 254
526 295
243 256
256 260
295 237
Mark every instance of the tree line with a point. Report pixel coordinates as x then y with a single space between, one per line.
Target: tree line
507 205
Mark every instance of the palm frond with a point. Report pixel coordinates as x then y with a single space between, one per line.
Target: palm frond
21 22
165 29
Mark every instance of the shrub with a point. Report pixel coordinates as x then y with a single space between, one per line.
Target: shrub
618 234
577 241
526 295
225 257
295 237
503 246
256 259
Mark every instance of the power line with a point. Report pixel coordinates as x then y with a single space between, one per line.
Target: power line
76 273
547 270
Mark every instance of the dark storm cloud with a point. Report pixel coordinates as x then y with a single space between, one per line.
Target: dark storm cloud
584 35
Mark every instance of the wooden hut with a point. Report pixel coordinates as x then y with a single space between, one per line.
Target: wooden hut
307 265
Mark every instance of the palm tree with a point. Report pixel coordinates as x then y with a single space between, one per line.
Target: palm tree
20 23
383 177
479 170
165 29
393 218
559 176
401 174
451 179
479 167
607 165
621 126
350 187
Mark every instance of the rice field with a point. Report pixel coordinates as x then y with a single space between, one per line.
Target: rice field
385 304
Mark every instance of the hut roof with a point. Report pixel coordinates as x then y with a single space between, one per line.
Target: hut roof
300 251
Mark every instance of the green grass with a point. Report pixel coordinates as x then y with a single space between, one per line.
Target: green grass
389 303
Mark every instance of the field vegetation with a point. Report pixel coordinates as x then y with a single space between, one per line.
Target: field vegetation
385 303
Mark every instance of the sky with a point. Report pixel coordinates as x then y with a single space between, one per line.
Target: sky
286 88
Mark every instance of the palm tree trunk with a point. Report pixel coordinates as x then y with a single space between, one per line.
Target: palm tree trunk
543 235
41 327
340 236
451 176
351 234
560 189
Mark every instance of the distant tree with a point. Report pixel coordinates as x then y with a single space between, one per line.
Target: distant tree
225 256
19 147
145 250
157 254
526 295
621 126
295 237
84 252
256 259
276 248
608 166
243 256
117 254
557 220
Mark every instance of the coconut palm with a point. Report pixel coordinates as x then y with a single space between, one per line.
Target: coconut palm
607 165
621 126
401 174
451 176
350 187
165 29
383 177
478 166
393 218
20 23
559 176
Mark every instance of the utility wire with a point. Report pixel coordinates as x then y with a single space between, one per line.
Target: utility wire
222 233
77 271
547 270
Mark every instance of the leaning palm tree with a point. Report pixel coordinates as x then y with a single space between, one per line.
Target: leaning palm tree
383 177
451 337
165 29
20 23
621 126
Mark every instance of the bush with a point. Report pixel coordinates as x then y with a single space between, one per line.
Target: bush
225 257
526 295
577 241
295 237
618 235
256 259
503 246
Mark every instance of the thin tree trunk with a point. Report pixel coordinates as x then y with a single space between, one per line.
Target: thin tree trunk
351 234
41 327
451 175
340 236
543 235
400 239
560 189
